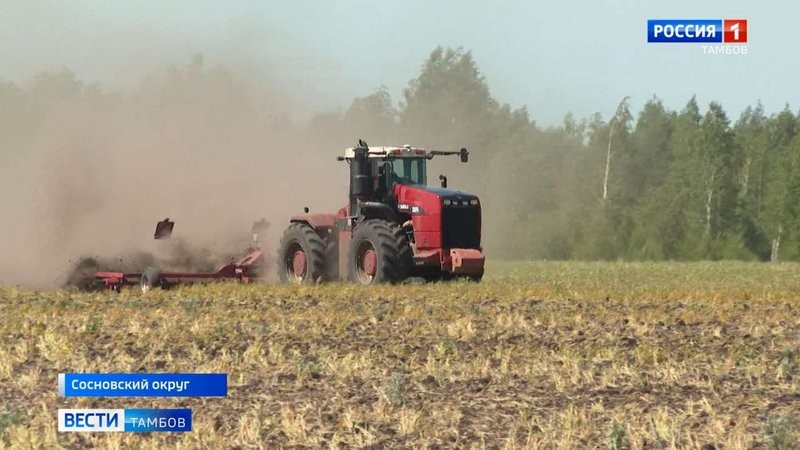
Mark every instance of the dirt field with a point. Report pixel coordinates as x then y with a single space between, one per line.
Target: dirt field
550 355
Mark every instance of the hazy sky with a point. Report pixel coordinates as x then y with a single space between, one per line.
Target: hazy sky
553 57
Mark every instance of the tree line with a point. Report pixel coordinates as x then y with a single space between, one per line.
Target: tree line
657 185
661 184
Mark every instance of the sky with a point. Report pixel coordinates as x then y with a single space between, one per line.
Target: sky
551 57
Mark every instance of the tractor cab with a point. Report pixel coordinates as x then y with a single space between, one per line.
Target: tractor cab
406 170
391 166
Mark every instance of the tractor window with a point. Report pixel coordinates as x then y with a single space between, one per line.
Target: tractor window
408 170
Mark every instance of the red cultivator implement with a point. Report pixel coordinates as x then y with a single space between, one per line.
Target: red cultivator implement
246 268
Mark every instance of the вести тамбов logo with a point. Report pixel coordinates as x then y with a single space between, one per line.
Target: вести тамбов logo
716 36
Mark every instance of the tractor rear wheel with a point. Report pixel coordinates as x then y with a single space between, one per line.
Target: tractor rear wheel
378 253
301 258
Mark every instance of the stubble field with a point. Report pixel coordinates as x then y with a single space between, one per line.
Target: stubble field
539 355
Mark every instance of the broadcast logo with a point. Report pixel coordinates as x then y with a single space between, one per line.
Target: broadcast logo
732 33
127 420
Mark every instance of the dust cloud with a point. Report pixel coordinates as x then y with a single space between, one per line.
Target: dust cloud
86 172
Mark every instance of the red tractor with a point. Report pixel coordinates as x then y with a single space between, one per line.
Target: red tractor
394 227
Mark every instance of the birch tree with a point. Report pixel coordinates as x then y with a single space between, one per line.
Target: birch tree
620 120
778 204
752 139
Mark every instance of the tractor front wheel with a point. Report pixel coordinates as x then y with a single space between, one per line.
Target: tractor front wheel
301 258
378 253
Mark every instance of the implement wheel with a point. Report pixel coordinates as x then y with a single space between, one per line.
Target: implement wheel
151 278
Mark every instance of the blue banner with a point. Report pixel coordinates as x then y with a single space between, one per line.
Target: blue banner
684 30
128 420
142 384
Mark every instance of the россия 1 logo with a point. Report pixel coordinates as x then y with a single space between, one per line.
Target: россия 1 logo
710 31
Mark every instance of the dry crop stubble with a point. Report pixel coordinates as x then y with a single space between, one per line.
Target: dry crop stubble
553 355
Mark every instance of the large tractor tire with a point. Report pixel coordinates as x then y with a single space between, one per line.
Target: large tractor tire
301 258
379 253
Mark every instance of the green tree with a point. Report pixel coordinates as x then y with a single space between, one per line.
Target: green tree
751 137
674 210
372 117
448 104
646 170
778 212
604 232
719 160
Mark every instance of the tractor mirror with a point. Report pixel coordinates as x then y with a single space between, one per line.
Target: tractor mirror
464 155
